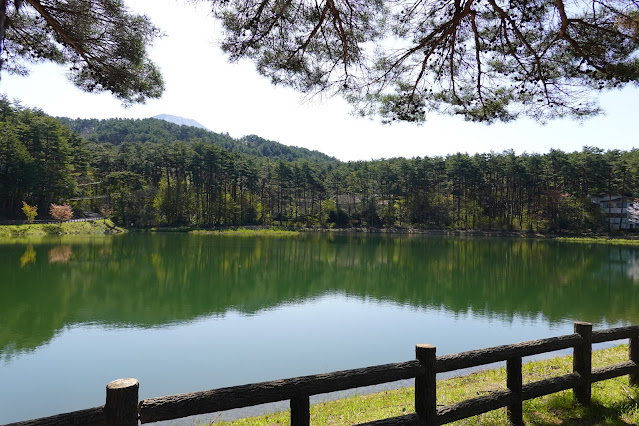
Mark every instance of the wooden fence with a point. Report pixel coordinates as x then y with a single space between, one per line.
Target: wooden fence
123 408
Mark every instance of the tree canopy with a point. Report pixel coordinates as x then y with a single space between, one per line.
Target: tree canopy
487 60
103 44
156 178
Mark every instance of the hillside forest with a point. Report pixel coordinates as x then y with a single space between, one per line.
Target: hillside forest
150 172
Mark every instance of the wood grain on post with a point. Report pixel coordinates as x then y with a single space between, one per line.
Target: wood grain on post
300 411
514 383
633 355
426 385
582 362
121 408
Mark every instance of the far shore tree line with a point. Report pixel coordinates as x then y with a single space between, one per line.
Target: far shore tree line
394 60
197 183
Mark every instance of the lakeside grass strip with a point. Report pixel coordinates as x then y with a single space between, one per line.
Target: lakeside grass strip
95 227
599 240
247 232
99 227
614 401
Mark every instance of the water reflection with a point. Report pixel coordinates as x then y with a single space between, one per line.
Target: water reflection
633 270
29 256
60 254
157 280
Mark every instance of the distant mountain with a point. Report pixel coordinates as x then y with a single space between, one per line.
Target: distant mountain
116 131
181 121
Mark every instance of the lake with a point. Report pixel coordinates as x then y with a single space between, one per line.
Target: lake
183 313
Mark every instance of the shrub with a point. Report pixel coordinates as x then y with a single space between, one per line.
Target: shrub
61 212
29 211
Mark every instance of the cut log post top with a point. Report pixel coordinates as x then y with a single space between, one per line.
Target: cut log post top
121 406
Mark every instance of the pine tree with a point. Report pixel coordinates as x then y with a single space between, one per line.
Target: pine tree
490 60
103 44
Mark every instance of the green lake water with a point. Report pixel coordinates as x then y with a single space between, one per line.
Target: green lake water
183 313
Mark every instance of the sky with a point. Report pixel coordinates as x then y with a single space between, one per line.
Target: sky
202 85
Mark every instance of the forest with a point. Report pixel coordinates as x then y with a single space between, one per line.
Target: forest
149 173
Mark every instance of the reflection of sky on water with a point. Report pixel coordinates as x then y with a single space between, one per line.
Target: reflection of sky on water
329 333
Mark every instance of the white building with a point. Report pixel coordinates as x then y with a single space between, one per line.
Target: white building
615 208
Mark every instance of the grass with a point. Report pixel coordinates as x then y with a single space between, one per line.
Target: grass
96 227
247 232
600 240
614 401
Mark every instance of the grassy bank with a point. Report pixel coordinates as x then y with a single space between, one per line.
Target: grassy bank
249 232
96 227
614 402
101 228
600 240
275 230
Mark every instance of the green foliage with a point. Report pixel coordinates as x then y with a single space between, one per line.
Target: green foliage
36 159
244 232
396 59
338 218
104 45
17 232
40 230
52 229
116 131
401 59
125 189
152 177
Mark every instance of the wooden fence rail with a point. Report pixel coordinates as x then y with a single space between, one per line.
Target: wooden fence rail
122 406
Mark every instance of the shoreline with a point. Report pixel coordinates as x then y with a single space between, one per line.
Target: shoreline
613 238
104 228
98 227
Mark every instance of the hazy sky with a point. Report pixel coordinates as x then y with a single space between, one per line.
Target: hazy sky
233 98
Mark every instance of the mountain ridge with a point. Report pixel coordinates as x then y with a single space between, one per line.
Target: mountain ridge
180 121
116 131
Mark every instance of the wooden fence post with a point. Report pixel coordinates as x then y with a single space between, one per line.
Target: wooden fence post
426 385
121 406
633 355
514 383
300 411
582 362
